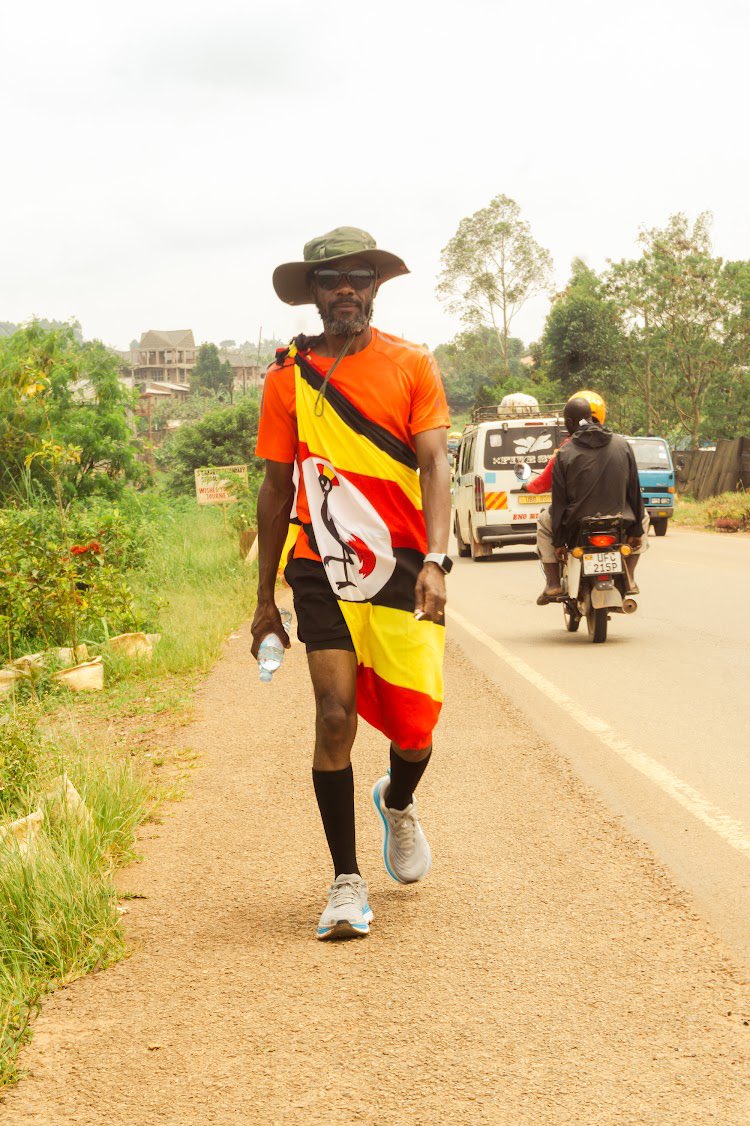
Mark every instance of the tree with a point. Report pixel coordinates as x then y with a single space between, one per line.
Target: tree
682 313
491 267
210 374
225 436
467 362
61 402
584 345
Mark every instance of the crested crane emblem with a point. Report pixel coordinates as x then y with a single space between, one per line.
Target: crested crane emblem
353 539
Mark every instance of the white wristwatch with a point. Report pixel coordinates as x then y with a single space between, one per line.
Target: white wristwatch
444 562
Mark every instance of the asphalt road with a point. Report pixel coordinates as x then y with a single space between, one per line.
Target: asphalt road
656 719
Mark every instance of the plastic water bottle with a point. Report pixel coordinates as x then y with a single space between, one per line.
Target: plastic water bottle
271 651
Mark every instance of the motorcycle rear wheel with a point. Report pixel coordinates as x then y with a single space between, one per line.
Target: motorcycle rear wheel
597 620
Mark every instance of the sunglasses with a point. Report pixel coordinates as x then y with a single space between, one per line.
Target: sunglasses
331 279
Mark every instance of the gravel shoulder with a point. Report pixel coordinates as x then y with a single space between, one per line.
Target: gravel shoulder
547 971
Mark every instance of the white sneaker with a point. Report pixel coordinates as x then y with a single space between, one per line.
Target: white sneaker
406 852
348 914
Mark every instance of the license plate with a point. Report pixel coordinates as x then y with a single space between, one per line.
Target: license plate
541 498
602 563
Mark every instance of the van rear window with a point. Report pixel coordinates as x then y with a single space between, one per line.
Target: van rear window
651 453
533 444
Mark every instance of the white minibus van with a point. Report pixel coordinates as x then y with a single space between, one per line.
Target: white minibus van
491 508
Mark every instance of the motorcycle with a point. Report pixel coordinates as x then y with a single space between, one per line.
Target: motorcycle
595 577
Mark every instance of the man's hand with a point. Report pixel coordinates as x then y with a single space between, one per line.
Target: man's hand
634 542
562 554
430 594
267 620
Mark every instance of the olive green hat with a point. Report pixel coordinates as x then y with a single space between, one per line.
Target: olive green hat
291 280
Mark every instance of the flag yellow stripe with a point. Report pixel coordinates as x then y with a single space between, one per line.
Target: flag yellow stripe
345 449
401 650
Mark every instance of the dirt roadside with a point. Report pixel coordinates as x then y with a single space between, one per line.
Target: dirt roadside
547 971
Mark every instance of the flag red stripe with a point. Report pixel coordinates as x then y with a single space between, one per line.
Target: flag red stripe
406 717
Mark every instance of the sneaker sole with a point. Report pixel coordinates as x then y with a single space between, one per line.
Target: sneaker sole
385 829
345 929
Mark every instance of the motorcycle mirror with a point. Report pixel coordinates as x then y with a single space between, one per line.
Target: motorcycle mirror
522 471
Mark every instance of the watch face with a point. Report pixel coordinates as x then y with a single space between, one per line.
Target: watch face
447 563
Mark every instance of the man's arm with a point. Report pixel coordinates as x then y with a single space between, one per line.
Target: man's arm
275 499
543 482
435 483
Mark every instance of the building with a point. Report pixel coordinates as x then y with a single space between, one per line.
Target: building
165 358
247 373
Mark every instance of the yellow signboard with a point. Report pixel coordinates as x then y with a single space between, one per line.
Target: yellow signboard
217 485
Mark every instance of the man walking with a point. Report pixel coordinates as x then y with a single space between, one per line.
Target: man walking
364 417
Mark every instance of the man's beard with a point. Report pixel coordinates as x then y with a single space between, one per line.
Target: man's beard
346 326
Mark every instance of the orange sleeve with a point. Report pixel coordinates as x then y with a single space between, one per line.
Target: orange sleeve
277 427
429 408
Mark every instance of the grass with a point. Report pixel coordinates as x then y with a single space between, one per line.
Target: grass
59 915
729 511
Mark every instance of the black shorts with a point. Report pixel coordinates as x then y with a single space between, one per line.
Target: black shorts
320 623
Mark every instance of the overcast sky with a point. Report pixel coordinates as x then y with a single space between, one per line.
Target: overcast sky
160 159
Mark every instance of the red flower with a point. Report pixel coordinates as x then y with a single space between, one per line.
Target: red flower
81 548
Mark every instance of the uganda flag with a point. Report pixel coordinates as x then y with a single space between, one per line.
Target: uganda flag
367 525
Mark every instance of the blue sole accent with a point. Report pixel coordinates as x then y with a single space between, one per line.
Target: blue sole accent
376 791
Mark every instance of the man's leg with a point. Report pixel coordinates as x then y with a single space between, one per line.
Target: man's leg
334 680
548 559
407 767
406 852
334 677
632 562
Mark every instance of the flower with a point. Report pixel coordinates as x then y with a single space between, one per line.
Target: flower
82 548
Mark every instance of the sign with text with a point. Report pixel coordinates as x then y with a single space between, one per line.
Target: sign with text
214 486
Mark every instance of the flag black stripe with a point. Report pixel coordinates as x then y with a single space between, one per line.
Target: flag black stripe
355 420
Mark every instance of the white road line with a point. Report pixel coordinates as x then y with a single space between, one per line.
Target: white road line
731 831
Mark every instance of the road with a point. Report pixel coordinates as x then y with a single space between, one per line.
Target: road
656 719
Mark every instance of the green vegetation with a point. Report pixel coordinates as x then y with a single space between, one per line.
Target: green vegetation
729 512
664 337
64 429
58 906
490 268
225 436
210 375
86 552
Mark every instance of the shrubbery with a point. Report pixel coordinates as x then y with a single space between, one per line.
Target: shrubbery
64 576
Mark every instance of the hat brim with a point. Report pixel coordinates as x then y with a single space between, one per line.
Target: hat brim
290 279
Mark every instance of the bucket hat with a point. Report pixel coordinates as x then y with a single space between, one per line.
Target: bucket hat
290 280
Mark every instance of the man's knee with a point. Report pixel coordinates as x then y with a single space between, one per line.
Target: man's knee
336 722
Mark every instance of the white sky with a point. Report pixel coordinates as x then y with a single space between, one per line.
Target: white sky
160 159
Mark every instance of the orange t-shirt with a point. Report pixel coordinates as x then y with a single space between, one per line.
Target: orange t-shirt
392 382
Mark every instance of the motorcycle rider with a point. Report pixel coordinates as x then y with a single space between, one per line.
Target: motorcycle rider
543 484
595 472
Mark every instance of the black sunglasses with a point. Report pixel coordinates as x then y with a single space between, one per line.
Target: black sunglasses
332 279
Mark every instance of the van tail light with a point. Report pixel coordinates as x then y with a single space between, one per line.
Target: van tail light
478 494
602 541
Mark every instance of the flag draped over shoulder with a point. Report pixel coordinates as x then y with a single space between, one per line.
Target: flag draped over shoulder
368 527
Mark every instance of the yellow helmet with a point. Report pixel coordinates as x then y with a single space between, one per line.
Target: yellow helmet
596 402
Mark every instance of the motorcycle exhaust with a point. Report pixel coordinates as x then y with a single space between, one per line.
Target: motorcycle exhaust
629 605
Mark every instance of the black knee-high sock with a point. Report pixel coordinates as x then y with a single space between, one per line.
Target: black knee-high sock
404 778
334 790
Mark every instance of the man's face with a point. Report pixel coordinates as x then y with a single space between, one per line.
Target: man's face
344 308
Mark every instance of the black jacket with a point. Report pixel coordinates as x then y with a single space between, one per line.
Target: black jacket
594 474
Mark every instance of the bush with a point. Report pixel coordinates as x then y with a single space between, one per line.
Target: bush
223 437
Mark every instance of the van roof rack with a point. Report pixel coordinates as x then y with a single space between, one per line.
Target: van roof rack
516 410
